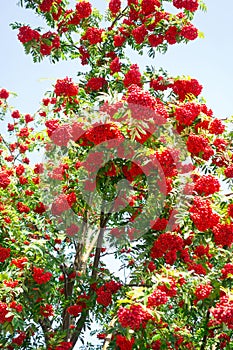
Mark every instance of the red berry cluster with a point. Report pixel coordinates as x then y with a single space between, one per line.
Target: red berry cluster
114 6
62 203
4 253
4 179
101 133
198 269
22 208
46 310
11 283
20 262
202 250
83 9
170 287
4 94
159 224
118 40
139 34
51 125
40 276
40 208
149 6
96 84
171 35
167 162
223 311
167 245
198 145
230 210
27 34
84 55
15 114
133 76
206 185
203 291
223 234
5 309
46 5
115 65
123 343
202 215
189 32
229 171
93 35
160 84
144 106
136 25
157 298
62 135
15 306
185 87
190 5
4 312
227 270
187 113
65 87
48 42
216 127
74 310
155 40
132 171
19 339
73 18
133 317
140 98
105 292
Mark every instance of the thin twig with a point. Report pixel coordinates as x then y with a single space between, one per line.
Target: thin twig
121 14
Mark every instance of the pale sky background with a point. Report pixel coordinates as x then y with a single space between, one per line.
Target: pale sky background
209 60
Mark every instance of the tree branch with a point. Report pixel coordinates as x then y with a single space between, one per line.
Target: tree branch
45 325
85 312
121 14
109 336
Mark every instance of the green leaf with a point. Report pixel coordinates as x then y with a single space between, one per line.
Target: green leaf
124 301
201 35
3 276
156 337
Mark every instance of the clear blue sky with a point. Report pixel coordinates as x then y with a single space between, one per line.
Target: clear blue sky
209 60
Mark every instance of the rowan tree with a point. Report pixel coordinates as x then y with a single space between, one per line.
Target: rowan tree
136 174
